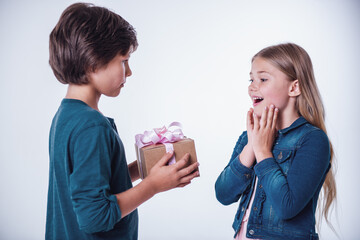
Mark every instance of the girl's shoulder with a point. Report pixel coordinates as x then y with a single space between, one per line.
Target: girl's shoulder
313 130
299 133
310 134
314 133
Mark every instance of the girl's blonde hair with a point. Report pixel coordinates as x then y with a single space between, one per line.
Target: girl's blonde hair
294 61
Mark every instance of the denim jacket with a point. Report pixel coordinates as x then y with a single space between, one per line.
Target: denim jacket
288 184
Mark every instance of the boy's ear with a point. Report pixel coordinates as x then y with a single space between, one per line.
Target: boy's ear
294 89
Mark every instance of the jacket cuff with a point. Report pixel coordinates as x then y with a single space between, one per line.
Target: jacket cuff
240 170
265 166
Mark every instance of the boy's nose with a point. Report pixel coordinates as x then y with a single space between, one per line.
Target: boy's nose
128 72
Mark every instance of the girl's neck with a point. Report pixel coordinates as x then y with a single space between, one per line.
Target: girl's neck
84 93
285 119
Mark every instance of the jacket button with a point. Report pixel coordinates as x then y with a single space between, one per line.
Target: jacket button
260 186
251 232
280 156
255 208
242 209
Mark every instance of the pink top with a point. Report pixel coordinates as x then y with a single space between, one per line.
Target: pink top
242 233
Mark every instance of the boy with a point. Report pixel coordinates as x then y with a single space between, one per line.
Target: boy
90 184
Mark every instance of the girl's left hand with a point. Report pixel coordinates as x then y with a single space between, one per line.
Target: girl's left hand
263 133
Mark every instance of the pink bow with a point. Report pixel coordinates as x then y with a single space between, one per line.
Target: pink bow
160 135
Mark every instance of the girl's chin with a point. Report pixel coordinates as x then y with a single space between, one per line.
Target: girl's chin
258 110
258 113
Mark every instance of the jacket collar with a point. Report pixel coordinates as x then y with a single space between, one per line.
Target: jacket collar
298 122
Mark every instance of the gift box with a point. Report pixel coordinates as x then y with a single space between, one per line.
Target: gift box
148 156
152 145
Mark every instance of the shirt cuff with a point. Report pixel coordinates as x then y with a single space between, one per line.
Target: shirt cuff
117 211
265 166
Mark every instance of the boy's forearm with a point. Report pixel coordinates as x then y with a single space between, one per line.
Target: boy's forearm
134 171
162 178
129 200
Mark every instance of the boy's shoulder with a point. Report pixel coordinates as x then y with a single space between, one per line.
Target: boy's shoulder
76 114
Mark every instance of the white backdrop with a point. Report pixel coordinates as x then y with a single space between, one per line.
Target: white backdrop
191 66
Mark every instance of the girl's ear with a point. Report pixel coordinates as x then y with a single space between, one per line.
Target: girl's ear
294 89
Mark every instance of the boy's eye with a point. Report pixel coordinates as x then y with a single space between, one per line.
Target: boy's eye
251 80
263 79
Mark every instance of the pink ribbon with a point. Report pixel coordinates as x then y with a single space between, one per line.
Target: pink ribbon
162 135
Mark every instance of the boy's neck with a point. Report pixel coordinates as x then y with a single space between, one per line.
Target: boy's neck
84 93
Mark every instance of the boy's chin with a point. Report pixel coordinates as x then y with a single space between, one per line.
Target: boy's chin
113 94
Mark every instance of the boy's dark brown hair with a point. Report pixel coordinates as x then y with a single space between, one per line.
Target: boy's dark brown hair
85 39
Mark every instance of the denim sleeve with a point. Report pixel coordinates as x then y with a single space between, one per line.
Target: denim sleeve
290 194
95 208
235 178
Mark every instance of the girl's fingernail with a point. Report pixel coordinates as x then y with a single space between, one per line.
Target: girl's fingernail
266 107
272 106
276 109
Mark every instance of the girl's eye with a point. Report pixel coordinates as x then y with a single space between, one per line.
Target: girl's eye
263 79
251 80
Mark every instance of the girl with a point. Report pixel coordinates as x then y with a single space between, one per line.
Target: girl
281 162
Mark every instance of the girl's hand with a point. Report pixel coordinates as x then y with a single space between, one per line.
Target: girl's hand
263 133
164 177
250 125
247 156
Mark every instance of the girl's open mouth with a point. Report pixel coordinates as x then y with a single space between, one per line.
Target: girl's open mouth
257 100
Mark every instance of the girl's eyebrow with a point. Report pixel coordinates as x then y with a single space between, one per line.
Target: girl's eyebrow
258 72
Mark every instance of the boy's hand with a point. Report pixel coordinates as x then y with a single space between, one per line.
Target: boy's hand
163 177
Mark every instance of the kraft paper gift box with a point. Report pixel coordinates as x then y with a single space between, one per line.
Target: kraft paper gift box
152 145
148 156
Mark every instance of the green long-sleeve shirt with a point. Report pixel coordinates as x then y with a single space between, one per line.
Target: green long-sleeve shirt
87 166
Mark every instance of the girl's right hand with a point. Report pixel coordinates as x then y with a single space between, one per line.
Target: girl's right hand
164 177
250 125
247 156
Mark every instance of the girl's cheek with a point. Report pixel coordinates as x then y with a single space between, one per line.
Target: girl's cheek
276 99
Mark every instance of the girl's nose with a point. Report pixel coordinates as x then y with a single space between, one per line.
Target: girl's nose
253 86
